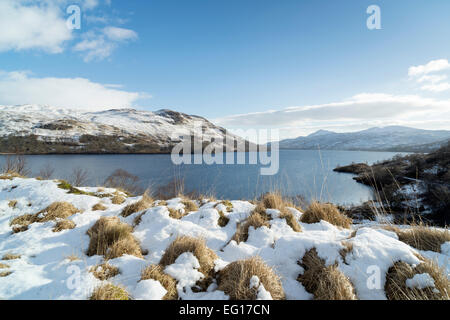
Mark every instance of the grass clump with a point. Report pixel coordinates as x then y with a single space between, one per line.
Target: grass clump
324 282
290 220
396 287
12 204
110 292
255 220
57 210
143 204
104 271
4 274
223 219
112 239
234 280
422 237
175 214
327 212
11 256
189 206
204 255
72 190
99 207
117 199
3 266
64 225
156 272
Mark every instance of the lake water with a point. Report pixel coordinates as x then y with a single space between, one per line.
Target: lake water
302 172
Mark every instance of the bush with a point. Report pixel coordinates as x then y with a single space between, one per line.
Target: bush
124 181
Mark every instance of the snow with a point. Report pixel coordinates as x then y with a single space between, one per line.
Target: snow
421 281
44 270
262 294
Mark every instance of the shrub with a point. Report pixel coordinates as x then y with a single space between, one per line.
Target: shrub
79 177
112 238
156 272
15 166
396 287
204 255
327 212
104 271
110 292
234 280
64 225
143 204
324 282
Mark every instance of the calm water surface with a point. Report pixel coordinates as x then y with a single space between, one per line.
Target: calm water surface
302 172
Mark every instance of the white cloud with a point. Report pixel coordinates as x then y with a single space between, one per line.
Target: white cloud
430 67
361 111
119 34
100 45
434 82
32 26
79 93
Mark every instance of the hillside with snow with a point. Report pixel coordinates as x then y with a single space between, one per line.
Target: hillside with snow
393 138
56 242
43 129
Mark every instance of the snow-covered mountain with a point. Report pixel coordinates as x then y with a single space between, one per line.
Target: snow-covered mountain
392 138
44 129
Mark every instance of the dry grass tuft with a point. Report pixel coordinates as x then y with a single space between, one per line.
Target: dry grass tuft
11 256
12 204
348 247
204 255
64 225
189 206
117 199
110 292
143 204
223 219
234 279
256 220
156 272
422 237
112 238
400 272
325 283
290 220
104 271
327 212
175 214
5 274
3 266
58 210
99 207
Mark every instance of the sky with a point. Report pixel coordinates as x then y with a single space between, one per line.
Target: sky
294 65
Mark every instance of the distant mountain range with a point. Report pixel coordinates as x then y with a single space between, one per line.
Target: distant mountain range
36 129
392 138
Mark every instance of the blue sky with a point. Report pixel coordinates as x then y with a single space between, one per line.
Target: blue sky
227 60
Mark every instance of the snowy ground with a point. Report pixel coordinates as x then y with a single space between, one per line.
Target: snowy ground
47 270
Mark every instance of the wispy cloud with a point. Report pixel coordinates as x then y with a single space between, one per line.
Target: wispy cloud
41 25
431 75
21 87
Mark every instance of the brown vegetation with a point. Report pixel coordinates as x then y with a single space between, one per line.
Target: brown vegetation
11 256
255 220
99 207
327 212
234 280
64 225
110 292
104 271
141 205
156 272
112 239
324 282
